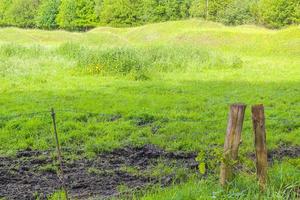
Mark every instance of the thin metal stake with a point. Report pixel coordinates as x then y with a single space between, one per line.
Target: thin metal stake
59 154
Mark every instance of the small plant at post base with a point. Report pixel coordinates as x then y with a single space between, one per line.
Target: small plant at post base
209 161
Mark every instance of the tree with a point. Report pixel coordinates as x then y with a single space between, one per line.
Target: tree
154 11
237 12
98 9
4 6
22 13
121 12
184 8
215 7
163 10
76 14
278 13
172 9
47 14
197 9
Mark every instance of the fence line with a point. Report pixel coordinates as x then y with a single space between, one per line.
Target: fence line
160 118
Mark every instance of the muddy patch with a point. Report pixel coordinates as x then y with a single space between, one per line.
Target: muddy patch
281 152
33 174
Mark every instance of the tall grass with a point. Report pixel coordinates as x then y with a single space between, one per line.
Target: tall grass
141 62
17 50
136 62
283 184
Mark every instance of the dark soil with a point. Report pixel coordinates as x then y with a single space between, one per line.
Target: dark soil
281 152
33 173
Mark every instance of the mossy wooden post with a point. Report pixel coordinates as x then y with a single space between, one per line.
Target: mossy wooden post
258 119
232 141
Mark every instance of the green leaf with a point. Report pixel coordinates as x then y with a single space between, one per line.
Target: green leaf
202 168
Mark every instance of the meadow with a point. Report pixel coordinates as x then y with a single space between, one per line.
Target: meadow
168 84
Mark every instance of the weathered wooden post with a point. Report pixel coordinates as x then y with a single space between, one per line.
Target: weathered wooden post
258 119
232 141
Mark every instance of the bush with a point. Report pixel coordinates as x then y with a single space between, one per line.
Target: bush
238 12
278 13
184 8
4 6
121 12
172 8
215 7
197 9
21 13
98 9
77 14
155 11
47 14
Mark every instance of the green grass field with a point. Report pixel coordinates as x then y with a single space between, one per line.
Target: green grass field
168 84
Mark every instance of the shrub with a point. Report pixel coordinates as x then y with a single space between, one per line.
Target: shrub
278 13
121 12
236 13
184 8
21 13
98 9
154 11
215 7
197 9
76 15
172 8
47 14
4 6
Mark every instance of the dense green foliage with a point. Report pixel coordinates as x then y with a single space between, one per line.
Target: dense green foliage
22 13
76 15
237 12
121 12
85 14
46 17
4 5
279 13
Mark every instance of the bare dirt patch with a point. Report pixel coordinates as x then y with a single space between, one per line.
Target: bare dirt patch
33 173
281 152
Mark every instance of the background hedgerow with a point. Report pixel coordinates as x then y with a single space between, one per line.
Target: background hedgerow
81 15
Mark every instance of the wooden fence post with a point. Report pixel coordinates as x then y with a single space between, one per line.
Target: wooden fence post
232 141
258 119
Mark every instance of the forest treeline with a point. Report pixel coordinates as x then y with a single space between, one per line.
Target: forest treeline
77 15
